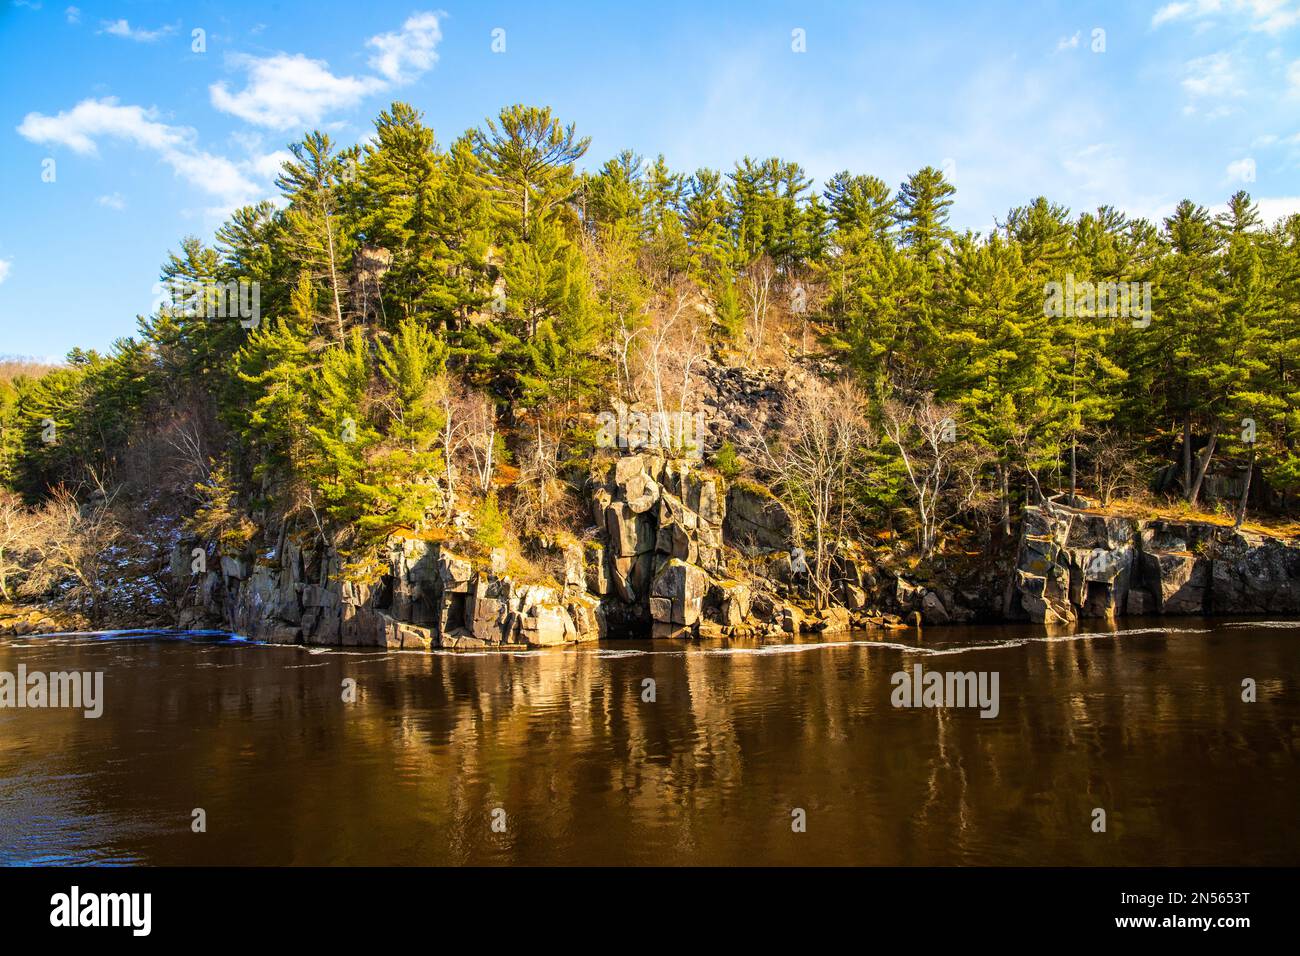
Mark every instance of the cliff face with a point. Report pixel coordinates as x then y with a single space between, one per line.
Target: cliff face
671 552
658 559
1075 565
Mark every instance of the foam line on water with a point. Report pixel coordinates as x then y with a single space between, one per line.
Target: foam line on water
920 650
1286 624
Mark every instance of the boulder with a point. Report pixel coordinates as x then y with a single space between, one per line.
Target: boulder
853 597
641 493
1045 598
546 624
932 609
627 467
711 506
1140 602
833 620
454 572
907 596
600 500
1252 574
575 572
728 603
489 614
683 586
234 567
629 533
588 616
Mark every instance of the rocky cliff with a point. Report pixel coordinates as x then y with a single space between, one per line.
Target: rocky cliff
671 551
658 559
1075 564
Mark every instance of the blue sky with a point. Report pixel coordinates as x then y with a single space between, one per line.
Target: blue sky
151 140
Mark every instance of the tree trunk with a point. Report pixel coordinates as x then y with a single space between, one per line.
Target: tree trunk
1187 453
1006 500
1074 469
1245 491
1201 468
334 278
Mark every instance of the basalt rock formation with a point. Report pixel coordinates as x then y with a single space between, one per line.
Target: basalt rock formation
656 560
429 597
670 551
1075 564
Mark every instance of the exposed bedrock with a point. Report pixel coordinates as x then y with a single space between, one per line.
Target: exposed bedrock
1074 565
669 551
657 559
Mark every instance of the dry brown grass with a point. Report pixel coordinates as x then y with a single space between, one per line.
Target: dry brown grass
1181 511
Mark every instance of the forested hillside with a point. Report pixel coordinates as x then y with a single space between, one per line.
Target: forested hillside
422 336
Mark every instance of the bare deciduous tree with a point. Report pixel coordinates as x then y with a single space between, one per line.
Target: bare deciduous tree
76 550
538 489
756 287
672 349
469 436
18 531
1118 466
944 473
821 437
480 442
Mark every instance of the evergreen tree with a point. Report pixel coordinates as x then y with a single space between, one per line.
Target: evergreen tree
527 161
923 204
313 234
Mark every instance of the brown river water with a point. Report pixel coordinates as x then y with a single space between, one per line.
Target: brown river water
556 757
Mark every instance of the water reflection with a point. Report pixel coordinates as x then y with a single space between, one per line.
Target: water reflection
1147 724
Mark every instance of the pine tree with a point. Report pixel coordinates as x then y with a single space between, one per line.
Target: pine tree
923 203
527 161
313 233
342 434
1179 346
276 366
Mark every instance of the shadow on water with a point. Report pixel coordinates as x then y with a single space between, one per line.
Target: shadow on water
641 752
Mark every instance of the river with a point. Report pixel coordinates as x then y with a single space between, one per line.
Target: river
736 754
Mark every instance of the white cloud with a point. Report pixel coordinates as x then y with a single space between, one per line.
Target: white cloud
80 127
1273 16
72 14
290 91
282 91
4 269
1262 16
1190 10
1241 170
1293 78
404 55
268 165
120 28
1211 76
1095 168
77 127
1068 43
